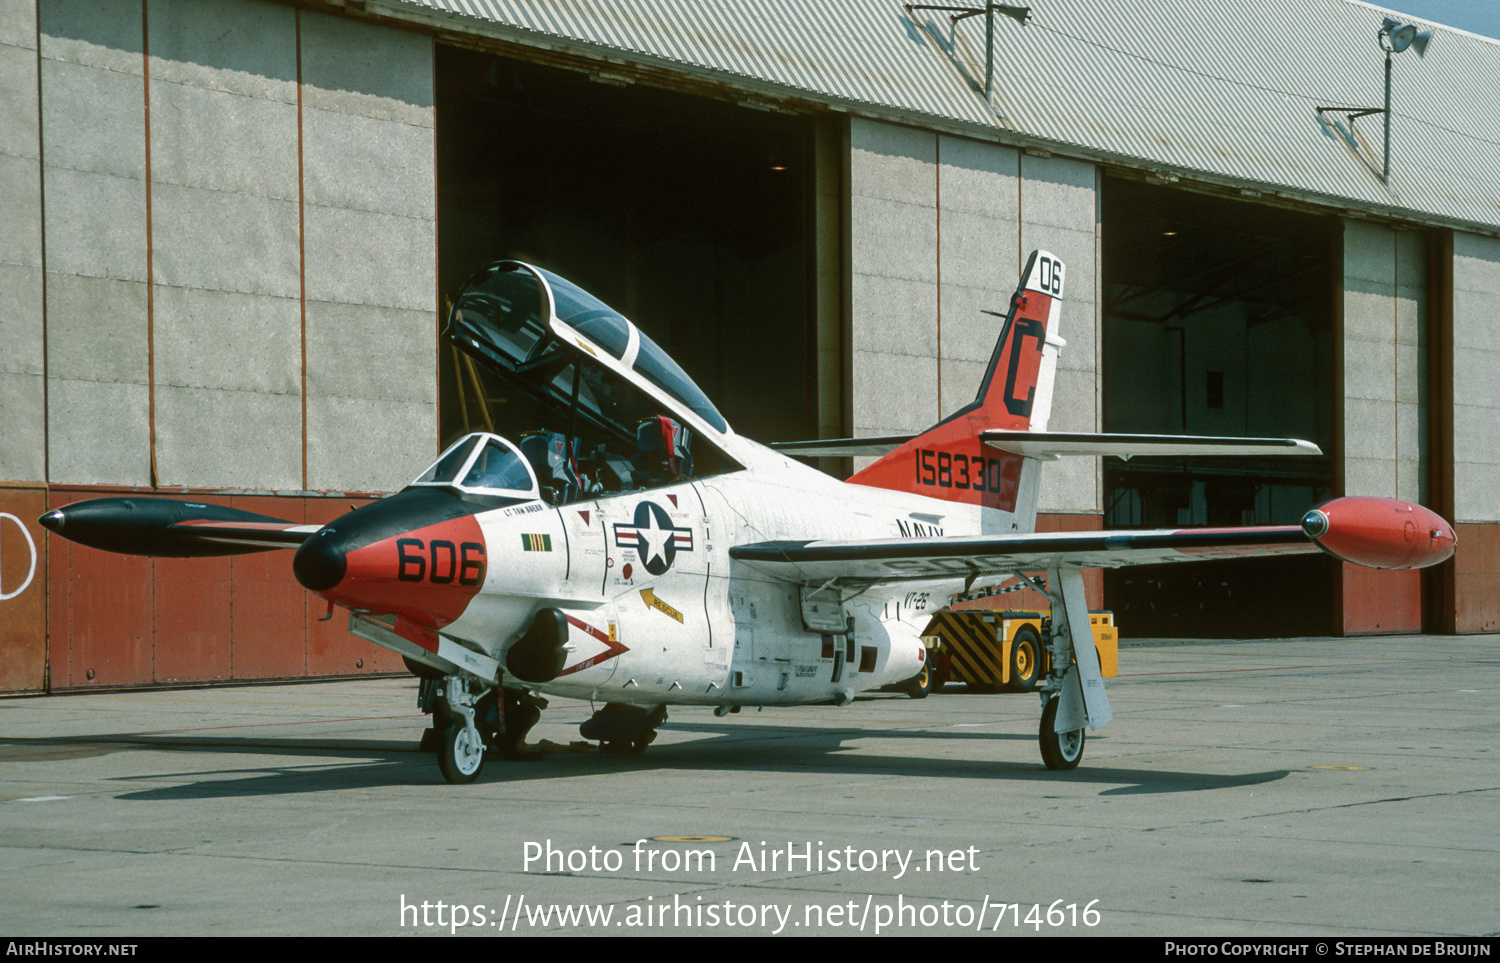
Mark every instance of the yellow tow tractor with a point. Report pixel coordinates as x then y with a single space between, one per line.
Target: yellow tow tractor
1000 651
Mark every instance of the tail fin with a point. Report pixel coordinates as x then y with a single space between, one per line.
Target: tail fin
948 460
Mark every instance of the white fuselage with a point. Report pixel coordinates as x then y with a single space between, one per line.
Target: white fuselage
660 613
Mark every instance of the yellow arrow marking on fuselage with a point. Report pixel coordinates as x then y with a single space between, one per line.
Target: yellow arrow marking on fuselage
652 602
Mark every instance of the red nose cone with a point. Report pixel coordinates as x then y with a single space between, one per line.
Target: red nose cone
1380 532
427 575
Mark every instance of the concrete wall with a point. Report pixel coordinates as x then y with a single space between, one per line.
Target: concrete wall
371 244
1060 213
893 183
97 254
1385 365
238 206
1476 378
226 311
939 229
1476 433
22 392
217 271
979 261
1385 395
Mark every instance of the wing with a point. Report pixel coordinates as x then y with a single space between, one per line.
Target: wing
925 559
1375 532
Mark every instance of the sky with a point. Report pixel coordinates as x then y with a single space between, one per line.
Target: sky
1476 16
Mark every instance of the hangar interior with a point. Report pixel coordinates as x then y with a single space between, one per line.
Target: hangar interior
1217 320
688 215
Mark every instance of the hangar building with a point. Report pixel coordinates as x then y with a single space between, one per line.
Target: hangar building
231 226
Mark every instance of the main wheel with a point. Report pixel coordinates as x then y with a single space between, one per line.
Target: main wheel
921 685
461 755
1025 659
1060 750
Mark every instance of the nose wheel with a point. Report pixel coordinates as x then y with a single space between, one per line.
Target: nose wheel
461 754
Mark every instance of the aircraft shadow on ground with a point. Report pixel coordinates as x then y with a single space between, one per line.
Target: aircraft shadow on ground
731 749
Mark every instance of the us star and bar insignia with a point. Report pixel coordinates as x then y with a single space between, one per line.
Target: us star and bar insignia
655 539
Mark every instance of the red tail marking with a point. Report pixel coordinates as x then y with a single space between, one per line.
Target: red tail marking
948 461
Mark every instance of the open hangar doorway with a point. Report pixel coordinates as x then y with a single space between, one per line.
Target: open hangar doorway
1218 320
688 215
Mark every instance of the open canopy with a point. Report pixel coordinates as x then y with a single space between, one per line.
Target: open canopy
573 351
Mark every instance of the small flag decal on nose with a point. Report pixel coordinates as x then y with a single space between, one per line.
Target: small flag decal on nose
536 543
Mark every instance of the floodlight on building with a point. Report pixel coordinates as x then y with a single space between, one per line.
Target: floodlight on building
1394 37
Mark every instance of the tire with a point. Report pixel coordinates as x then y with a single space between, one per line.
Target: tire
1060 751
1025 660
459 757
921 685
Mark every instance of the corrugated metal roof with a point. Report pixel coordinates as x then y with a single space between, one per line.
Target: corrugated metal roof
1210 88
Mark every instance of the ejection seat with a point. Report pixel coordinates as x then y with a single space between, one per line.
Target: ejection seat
663 453
552 458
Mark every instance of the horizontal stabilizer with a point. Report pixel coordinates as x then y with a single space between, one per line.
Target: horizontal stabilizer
170 528
1051 445
842 447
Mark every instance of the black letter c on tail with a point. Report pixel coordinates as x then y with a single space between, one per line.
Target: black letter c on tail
1025 328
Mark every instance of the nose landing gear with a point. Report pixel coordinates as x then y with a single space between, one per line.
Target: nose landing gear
468 719
460 745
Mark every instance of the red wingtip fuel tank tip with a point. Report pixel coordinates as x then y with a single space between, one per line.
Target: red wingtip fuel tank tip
1380 532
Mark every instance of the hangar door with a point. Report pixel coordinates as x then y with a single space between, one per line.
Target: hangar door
689 215
1217 320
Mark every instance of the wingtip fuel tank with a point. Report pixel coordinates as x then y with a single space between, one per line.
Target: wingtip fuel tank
1380 532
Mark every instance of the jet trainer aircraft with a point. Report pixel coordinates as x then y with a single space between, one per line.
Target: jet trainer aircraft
636 551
